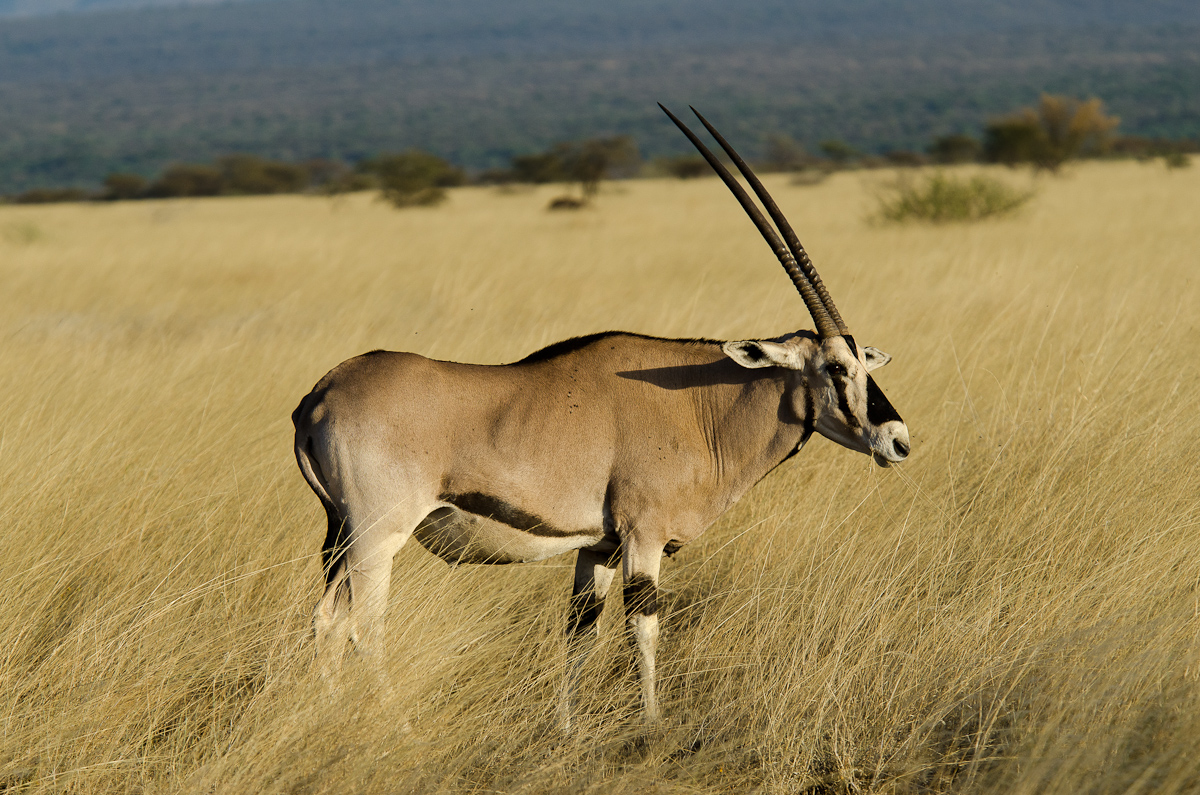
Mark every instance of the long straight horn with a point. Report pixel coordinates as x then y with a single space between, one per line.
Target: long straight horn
776 214
826 327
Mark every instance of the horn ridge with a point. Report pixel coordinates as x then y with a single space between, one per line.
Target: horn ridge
785 228
826 326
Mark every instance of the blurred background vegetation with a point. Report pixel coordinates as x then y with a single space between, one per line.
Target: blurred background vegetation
86 93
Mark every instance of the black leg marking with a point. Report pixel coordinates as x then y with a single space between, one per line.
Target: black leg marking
584 612
641 596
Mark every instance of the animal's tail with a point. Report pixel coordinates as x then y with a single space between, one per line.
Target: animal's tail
335 535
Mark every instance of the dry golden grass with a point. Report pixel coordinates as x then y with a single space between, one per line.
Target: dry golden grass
1013 610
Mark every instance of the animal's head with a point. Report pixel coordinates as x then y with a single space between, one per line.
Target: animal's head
830 390
829 387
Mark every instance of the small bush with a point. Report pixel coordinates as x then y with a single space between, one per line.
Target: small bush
942 197
1176 160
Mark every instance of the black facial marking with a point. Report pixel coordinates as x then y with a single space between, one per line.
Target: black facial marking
850 341
641 596
879 410
843 402
671 548
498 510
809 418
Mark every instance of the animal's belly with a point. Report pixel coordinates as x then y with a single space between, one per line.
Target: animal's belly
457 536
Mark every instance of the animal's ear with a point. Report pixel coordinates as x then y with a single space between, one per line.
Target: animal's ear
758 353
875 358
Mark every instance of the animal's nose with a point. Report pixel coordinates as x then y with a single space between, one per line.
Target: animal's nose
900 447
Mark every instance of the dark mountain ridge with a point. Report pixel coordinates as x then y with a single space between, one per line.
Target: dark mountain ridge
478 81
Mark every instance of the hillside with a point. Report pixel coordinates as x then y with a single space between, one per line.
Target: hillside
84 94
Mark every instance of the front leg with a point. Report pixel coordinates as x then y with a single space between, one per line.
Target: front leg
640 564
594 573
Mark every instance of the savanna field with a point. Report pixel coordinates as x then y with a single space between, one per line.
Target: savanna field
1012 610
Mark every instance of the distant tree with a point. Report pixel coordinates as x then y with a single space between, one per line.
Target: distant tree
51 195
685 166
413 178
588 162
905 159
120 187
1059 129
187 179
1012 140
783 153
251 175
539 168
839 152
957 148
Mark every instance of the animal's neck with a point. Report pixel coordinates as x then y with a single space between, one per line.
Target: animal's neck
750 430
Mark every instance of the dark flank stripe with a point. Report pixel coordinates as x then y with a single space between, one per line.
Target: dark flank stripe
839 384
879 410
498 510
641 596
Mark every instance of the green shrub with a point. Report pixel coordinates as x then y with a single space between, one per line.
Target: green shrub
539 169
957 148
943 197
119 187
187 179
51 196
1059 129
413 178
685 166
250 175
1176 160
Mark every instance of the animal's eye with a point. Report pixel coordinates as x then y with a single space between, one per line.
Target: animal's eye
833 368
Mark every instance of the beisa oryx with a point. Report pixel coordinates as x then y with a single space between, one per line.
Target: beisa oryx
620 446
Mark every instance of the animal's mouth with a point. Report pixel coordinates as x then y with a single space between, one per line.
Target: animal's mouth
883 462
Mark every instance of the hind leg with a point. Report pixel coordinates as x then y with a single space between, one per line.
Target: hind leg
331 619
358 578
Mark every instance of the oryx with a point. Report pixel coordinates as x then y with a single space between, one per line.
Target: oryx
621 446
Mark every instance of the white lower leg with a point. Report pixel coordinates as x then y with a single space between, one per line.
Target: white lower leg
644 629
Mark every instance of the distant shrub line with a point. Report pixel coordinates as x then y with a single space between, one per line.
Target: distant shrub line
1045 137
